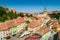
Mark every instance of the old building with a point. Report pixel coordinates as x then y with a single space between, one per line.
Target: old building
44 32
11 27
35 25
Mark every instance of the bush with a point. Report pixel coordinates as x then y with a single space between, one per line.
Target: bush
27 15
26 28
31 15
14 35
8 37
21 14
27 21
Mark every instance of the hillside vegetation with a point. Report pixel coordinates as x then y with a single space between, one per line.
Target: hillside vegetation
5 14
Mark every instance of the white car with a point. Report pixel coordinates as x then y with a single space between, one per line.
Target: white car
25 33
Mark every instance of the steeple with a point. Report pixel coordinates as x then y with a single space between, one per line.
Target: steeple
45 11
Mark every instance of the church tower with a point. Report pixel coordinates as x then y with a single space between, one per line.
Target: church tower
45 12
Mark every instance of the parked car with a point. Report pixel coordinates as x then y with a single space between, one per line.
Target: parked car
25 33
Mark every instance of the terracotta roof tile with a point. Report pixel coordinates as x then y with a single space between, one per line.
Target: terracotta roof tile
53 23
44 30
11 23
34 24
3 26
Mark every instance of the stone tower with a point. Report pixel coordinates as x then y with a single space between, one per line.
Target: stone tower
45 12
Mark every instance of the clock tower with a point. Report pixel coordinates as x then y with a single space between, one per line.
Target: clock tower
45 12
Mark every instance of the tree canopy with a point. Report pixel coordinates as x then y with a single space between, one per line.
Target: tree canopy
5 14
55 16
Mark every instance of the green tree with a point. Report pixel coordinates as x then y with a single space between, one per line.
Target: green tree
26 28
27 15
4 15
21 14
27 21
31 15
8 37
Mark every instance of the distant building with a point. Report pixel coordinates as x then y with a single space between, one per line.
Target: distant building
3 6
45 14
45 11
13 10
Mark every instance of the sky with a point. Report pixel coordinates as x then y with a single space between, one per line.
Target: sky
33 6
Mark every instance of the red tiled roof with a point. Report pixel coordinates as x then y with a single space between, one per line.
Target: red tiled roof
50 12
39 16
44 30
11 23
3 26
50 21
30 38
34 24
33 37
53 22
19 20
32 18
36 36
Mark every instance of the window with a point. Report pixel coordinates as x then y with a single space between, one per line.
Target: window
51 31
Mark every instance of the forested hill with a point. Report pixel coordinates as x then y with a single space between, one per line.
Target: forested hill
6 14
